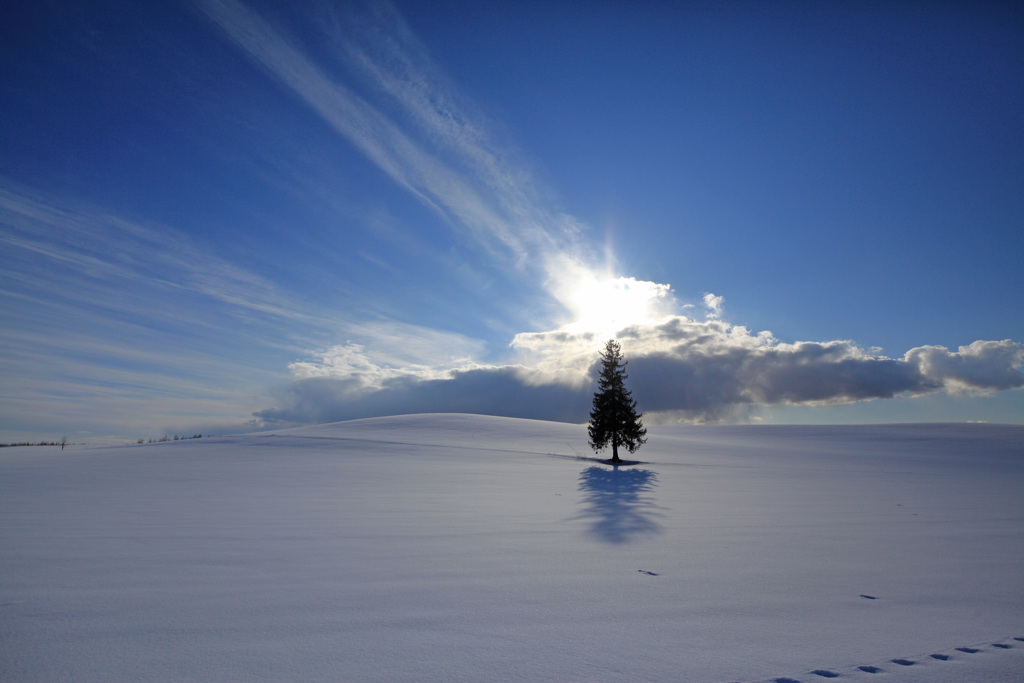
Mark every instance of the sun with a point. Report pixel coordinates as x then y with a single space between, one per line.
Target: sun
603 305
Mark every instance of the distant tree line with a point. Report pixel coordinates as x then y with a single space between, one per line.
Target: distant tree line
64 441
170 438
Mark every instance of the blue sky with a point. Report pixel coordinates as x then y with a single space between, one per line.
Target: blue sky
219 215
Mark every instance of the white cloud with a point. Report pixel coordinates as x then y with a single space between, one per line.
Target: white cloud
713 304
686 369
389 351
979 366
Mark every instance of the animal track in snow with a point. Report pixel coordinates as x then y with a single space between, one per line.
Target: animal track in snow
932 659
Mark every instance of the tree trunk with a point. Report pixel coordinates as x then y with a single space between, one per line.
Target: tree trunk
615 435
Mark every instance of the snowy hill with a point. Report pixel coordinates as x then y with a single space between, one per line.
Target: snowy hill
462 547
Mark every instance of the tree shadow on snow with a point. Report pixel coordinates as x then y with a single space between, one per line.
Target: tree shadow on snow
616 503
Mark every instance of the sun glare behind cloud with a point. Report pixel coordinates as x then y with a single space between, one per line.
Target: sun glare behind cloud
603 305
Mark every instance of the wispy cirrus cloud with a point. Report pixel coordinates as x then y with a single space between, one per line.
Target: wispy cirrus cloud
115 317
57 238
118 324
435 150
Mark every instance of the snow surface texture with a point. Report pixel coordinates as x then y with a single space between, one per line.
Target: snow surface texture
456 547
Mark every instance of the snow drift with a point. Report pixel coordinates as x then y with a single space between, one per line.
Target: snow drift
458 547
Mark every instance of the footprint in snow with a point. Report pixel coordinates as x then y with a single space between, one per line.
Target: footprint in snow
825 673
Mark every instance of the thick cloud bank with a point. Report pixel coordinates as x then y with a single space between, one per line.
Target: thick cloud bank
702 369
679 368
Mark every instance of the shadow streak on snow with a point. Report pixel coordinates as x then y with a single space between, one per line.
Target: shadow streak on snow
616 505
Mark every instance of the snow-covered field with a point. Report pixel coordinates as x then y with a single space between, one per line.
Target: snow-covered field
458 547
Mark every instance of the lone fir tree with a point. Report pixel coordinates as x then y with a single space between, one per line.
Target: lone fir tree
615 419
